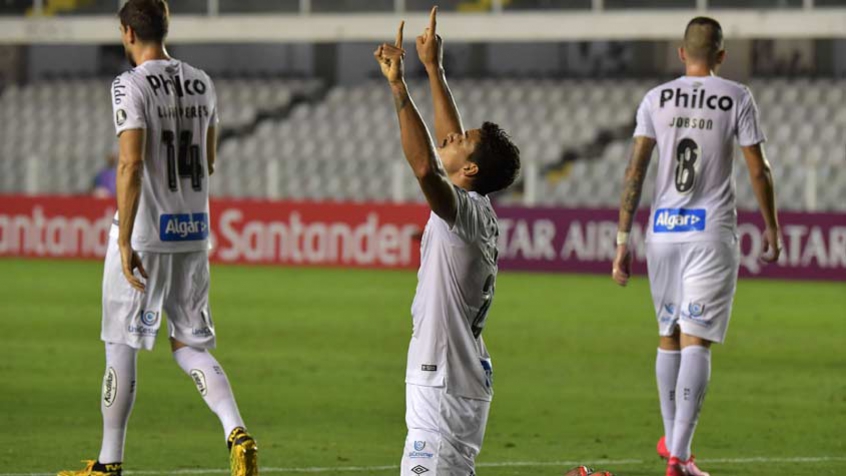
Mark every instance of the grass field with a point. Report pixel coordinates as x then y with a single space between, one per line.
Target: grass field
317 360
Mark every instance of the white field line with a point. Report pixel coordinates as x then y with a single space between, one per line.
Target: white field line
608 463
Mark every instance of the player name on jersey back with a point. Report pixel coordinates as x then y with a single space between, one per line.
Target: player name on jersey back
695 122
176 105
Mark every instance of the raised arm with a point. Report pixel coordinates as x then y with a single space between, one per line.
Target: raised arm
130 166
629 201
431 53
416 142
761 177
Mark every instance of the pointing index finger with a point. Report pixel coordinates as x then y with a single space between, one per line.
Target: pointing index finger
399 34
433 20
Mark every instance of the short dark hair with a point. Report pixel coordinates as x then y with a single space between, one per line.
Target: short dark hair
149 19
703 38
498 160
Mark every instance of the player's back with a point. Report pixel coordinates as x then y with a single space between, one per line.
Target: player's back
176 104
695 122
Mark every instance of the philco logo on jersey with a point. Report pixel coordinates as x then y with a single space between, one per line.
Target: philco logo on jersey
698 99
190 87
679 220
184 227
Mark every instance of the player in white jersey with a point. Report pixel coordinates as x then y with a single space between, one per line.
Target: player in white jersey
448 379
165 114
692 243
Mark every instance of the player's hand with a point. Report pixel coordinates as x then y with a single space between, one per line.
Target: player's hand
130 261
430 46
390 58
622 269
772 244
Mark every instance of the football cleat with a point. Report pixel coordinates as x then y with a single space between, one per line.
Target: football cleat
661 447
93 468
692 469
243 453
579 471
676 468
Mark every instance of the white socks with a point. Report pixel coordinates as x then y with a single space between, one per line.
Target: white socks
117 399
694 374
666 373
213 385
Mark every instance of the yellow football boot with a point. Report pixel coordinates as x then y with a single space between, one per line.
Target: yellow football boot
101 470
243 453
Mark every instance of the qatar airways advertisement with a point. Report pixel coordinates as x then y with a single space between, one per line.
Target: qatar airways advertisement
387 236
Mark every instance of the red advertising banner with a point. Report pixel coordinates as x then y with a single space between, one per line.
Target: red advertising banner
246 231
387 236
583 241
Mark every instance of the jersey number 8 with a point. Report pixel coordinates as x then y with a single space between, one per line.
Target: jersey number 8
687 153
185 164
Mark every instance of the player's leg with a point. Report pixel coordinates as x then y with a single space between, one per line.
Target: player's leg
463 422
192 334
130 321
212 383
423 441
445 432
665 284
709 285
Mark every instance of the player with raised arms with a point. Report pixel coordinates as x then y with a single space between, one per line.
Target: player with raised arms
692 244
165 115
449 373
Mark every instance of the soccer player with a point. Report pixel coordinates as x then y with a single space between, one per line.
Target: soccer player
448 378
165 115
692 245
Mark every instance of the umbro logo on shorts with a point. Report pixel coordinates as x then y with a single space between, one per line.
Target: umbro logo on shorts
419 469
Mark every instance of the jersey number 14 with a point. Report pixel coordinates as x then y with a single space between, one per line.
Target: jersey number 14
184 164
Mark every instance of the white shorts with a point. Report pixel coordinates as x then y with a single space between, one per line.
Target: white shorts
445 432
178 284
693 286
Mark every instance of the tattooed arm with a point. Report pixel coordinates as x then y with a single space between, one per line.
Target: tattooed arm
632 189
416 142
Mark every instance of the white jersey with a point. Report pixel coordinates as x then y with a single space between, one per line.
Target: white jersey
176 104
455 290
695 121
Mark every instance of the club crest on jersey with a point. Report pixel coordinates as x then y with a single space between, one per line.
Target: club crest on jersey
184 227
676 220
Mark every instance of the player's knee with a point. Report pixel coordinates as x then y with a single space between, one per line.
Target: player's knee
688 340
176 345
671 342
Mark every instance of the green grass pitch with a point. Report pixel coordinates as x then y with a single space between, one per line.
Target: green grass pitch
317 359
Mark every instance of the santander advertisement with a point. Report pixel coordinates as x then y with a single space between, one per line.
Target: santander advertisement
387 236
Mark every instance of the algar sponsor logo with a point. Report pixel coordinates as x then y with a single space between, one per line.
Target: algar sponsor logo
679 220
184 227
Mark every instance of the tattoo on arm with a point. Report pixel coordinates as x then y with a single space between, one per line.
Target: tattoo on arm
633 185
400 98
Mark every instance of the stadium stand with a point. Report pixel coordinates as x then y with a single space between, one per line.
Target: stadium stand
343 145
